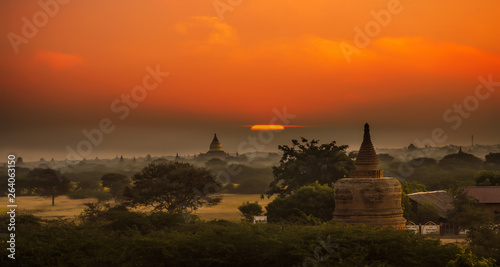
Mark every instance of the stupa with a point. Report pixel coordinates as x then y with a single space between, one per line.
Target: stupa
215 150
215 146
367 197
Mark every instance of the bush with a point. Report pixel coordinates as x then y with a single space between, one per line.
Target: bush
220 243
126 221
160 220
313 200
87 193
467 258
249 210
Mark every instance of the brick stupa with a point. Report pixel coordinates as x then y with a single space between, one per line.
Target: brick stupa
368 197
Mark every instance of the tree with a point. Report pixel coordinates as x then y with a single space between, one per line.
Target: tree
409 188
423 162
487 178
467 212
426 212
174 187
216 163
116 183
306 162
493 158
312 200
48 183
89 184
468 259
412 187
249 210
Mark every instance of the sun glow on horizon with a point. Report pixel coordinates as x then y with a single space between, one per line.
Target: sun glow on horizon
267 127
270 127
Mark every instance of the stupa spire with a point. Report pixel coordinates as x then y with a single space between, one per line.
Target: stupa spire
367 160
215 145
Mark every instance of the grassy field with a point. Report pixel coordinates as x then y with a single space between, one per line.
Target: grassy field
68 208
228 208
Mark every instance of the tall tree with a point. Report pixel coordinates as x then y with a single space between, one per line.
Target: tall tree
173 187
467 212
48 183
306 162
116 183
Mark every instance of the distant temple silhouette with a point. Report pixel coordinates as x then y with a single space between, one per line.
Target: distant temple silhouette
215 150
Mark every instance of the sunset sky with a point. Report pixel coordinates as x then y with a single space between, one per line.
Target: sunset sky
231 66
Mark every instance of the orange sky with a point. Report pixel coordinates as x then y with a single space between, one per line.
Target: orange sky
233 71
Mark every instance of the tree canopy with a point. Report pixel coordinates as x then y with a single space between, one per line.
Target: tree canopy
48 183
312 200
249 210
488 178
493 158
306 162
173 187
116 183
467 212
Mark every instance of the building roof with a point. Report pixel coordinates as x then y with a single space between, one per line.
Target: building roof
485 194
440 199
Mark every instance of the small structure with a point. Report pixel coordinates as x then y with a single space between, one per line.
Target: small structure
430 228
443 203
488 196
411 226
368 197
259 219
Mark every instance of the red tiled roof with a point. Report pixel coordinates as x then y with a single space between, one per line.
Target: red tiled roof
485 194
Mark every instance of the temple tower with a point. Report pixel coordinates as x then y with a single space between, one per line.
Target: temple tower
368 197
215 145
215 150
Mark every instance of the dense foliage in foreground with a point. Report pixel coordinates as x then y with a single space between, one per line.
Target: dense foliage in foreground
136 239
